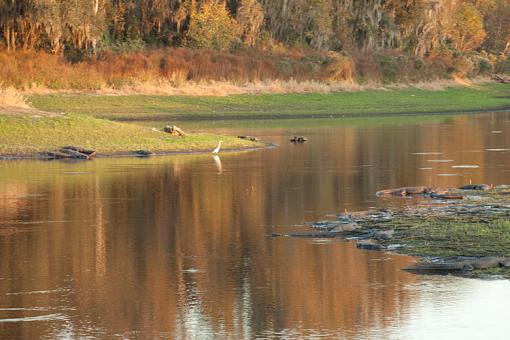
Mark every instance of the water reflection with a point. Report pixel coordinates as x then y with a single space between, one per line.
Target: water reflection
217 162
165 247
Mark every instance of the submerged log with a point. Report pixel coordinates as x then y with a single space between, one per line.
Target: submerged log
405 191
312 234
476 187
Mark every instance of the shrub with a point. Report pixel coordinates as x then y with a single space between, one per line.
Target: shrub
212 27
118 46
464 67
339 68
484 66
390 67
503 65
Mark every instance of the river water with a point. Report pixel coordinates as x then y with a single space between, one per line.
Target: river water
179 246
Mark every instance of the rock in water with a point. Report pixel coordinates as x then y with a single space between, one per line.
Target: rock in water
370 245
144 153
298 139
505 263
253 139
383 234
346 227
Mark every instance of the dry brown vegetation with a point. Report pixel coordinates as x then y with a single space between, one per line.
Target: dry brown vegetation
26 69
179 71
10 97
248 46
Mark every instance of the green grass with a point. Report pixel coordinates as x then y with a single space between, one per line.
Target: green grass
22 135
453 236
362 103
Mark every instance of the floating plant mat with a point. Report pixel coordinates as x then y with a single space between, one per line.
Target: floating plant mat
473 231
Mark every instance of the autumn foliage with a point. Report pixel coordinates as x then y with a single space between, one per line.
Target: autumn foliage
90 44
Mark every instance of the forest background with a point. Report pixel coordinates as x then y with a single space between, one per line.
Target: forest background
114 44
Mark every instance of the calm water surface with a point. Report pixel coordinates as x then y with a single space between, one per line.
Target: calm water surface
178 247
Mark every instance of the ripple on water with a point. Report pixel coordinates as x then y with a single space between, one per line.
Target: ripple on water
58 290
497 150
466 166
193 270
440 160
47 317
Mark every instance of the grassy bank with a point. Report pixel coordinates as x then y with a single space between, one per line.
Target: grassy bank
362 103
87 121
24 135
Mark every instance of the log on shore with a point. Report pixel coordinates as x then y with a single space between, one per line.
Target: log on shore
174 131
501 79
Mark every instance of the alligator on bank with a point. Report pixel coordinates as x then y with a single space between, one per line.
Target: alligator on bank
70 152
460 263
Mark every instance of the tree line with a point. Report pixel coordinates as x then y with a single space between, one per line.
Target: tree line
420 27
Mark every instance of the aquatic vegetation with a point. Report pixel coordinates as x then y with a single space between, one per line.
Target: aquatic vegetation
436 229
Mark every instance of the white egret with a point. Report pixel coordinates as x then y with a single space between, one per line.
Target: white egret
218 147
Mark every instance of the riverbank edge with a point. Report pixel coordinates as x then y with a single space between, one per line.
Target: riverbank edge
205 118
131 154
212 115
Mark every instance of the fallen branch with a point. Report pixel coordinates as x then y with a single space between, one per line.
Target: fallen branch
501 79
174 131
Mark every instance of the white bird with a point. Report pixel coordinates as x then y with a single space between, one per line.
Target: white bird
218 147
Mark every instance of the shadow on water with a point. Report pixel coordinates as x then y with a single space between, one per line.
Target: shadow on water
178 247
